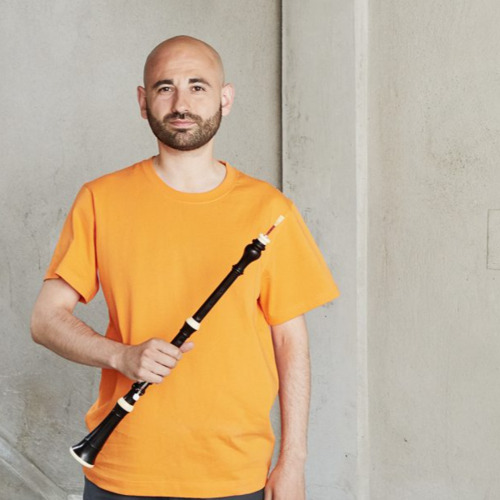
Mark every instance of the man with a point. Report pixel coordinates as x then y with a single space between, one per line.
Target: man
158 237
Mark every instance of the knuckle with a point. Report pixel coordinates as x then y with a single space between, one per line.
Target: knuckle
171 348
151 344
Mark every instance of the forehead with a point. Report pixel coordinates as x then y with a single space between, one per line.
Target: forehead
182 61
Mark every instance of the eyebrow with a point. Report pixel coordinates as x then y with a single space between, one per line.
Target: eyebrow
171 82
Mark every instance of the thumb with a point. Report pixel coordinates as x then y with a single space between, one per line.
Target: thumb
186 347
268 494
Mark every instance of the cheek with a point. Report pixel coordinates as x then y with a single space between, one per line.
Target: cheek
159 101
213 107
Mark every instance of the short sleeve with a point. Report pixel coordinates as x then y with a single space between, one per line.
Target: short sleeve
296 278
74 258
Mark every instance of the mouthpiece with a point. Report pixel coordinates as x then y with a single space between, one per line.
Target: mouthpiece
279 220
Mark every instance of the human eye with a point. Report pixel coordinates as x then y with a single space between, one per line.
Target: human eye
198 88
165 89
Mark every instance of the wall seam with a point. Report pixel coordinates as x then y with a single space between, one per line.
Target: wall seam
361 23
282 96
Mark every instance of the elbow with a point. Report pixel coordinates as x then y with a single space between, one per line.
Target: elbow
34 329
36 326
55 301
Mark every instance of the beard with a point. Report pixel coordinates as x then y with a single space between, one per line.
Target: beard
185 139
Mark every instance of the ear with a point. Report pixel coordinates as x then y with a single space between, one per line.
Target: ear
141 98
227 98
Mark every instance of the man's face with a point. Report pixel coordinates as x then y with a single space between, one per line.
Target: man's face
184 98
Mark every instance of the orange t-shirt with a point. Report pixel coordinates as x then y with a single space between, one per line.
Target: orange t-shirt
158 254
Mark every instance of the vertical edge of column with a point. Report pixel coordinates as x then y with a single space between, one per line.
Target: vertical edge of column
361 71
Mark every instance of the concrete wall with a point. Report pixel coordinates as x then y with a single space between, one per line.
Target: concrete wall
412 188
319 157
434 348
69 114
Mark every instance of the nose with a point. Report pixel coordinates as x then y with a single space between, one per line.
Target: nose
181 102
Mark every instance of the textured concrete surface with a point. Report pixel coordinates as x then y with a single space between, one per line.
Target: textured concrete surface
434 319
69 114
16 486
319 173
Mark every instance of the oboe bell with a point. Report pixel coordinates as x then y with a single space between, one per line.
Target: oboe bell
86 451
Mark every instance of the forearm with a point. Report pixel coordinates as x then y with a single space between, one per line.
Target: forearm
65 334
291 350
292 359
54 325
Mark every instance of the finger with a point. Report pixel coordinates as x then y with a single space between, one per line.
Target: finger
144 375
154 362
159 358
159 369
156 371
162 352
169 349
188 346
161 345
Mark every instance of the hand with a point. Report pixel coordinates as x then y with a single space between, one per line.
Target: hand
150 361
286 482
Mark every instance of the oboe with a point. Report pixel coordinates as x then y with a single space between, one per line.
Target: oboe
86 451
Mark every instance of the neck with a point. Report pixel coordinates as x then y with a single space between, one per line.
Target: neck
189 171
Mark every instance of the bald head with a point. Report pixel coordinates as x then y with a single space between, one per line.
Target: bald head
184 85
185 49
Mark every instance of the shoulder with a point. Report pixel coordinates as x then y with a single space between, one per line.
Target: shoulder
261 192
118 179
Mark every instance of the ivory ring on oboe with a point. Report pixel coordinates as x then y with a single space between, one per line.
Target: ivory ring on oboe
86 451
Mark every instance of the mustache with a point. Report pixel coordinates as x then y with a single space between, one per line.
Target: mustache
182 116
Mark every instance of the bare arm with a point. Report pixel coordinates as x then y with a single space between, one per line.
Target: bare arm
54 325
291 347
